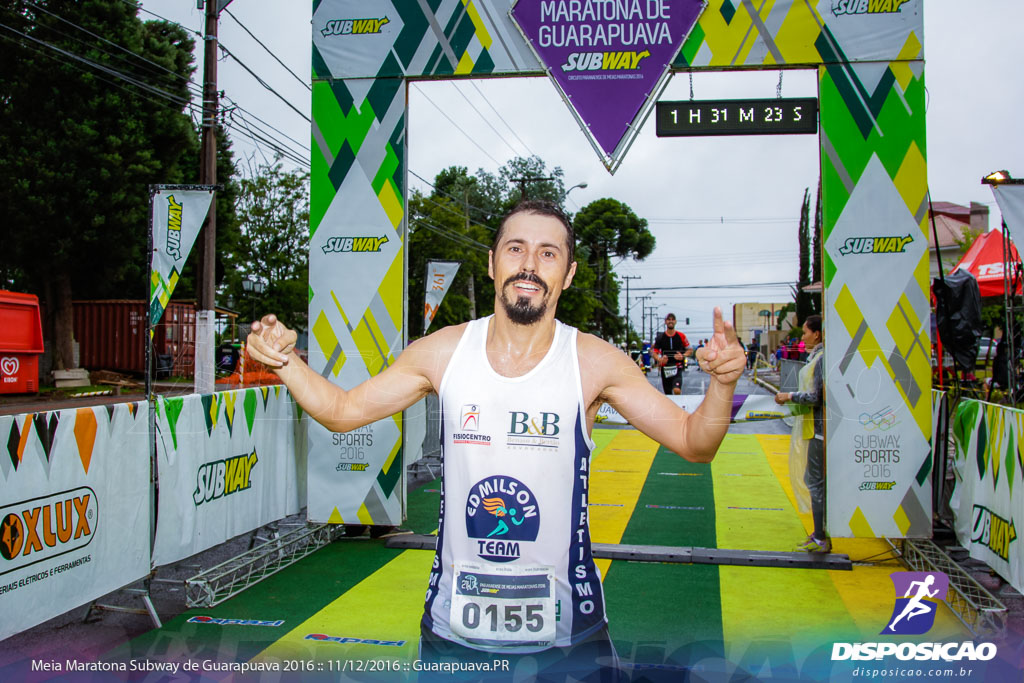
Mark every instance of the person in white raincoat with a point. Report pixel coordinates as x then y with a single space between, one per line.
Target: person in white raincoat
809 434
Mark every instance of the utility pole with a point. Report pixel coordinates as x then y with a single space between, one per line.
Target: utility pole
643 316
522 184
472 287
207 285
627 278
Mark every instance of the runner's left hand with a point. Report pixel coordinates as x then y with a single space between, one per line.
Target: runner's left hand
723 357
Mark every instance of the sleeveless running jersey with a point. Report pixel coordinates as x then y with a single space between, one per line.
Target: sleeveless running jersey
513 569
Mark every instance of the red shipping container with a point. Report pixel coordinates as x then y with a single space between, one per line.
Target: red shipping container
21 342
111 335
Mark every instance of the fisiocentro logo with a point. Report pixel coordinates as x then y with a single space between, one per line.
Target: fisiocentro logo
847 7
224 477
354 244
628 60
43 528
875 245
353 27
993 532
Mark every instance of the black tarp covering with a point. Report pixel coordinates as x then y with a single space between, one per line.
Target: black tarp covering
958 315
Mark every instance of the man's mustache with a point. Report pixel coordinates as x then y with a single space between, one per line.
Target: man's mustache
527 277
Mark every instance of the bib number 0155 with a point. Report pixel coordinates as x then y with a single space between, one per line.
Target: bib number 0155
508 604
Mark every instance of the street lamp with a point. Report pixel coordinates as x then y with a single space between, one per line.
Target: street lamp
251 285
582 186
1001 178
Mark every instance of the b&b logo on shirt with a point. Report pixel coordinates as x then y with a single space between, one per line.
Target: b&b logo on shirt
533 431
501 514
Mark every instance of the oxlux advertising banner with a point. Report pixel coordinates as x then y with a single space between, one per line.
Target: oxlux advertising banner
177 216
609 60
74 509
228 463
988 500
439 278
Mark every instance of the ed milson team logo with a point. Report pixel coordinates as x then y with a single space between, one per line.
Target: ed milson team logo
501 514
918 595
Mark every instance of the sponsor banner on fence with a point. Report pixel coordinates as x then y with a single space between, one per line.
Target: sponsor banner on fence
988 500
227 463
177 216
745 408
74 509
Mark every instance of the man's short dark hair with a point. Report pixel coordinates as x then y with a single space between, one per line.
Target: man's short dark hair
541 207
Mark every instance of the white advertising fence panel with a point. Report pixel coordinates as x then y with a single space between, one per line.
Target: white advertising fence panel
989 496
74 509
227 463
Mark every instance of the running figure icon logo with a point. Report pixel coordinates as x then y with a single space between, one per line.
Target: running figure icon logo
502 518
917 599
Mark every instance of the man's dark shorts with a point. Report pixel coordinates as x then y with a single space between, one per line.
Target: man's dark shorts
668 383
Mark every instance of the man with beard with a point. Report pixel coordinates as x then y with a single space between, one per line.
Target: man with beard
532 386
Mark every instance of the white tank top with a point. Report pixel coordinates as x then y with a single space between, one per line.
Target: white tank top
513 568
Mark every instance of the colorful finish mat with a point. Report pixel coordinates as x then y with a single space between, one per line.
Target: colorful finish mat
358 601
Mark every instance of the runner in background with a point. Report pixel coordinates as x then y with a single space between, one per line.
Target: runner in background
670 350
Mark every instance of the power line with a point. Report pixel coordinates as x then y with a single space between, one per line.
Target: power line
140 8
269 51
500 117
475 143
261 81
482 117
103 68
161 67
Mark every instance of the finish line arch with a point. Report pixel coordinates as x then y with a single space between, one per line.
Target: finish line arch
869 57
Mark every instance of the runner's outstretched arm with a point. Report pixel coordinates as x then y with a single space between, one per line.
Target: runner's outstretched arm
408 379
695 436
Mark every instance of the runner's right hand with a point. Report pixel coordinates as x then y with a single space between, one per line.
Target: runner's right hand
270 341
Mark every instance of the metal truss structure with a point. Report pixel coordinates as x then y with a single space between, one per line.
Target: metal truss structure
217 584
980 611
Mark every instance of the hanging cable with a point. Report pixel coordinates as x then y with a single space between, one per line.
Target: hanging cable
269 51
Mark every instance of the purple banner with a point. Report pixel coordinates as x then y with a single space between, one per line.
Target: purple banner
607 56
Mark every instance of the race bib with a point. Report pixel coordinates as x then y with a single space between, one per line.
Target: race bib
511 605
670 371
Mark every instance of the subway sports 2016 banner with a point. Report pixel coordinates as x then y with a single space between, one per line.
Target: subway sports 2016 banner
870 62
988 500
74 509
228 463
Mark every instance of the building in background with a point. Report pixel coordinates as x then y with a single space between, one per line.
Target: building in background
952 221
754 318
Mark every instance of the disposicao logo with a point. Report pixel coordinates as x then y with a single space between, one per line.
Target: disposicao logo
914 612
918 595
43 528
847 7
875 245
501 513
354 244
353 27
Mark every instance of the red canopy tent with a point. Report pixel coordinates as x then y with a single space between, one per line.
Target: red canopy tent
984 260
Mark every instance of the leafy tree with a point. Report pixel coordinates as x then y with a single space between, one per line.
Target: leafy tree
606 228
272 244
80 142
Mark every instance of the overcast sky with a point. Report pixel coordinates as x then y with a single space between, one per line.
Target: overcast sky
724 210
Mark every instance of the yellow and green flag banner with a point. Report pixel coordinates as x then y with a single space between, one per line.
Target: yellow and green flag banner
177 216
